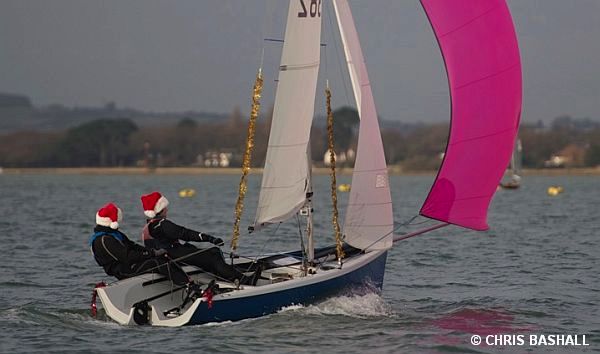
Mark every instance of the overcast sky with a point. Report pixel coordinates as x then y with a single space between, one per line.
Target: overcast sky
202 55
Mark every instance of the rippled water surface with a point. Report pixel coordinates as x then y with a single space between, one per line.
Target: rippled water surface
535 271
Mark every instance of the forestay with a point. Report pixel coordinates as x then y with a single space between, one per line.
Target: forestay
369 218
479 45
286 175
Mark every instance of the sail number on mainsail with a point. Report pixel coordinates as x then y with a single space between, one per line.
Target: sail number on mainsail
314 9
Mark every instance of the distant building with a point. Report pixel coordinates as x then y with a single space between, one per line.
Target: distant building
572 155
217 159
341 158
555 161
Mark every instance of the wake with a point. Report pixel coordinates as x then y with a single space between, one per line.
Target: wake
356 306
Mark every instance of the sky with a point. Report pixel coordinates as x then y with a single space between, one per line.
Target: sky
202 55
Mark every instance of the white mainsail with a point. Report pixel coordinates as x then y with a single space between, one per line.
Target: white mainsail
369 218
286 175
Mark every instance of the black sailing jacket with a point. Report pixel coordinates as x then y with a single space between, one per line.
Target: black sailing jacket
117 257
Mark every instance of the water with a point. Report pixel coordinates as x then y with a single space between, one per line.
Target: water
535 271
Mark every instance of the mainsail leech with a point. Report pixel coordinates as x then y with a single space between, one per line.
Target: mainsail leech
479 45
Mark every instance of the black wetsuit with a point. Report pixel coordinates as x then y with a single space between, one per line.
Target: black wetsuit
122 258
166 234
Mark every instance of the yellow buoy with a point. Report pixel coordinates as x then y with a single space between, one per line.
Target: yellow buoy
187 193
345 187
555 190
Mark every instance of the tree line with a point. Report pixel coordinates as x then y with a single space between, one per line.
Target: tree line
117 142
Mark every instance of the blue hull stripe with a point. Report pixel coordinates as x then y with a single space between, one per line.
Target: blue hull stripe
370 274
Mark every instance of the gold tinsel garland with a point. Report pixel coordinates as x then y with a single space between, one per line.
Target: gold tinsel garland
336 225
239 205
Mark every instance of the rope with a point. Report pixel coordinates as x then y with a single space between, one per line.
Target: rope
255 259
406 223
396 229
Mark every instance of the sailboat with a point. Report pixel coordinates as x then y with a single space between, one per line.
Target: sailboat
512 179
485 88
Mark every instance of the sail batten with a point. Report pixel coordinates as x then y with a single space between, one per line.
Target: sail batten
481 55
286 67
302 143
367 171
286 176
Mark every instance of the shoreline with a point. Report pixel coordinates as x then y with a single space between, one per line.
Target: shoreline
393 170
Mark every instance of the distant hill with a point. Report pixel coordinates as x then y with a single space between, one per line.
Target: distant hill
404 128
17 113
13 101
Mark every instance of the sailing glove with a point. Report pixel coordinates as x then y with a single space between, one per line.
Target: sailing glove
214 240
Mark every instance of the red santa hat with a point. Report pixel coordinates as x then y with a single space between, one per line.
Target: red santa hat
154 203
109 215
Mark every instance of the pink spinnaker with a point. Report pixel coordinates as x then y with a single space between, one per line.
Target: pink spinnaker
479 45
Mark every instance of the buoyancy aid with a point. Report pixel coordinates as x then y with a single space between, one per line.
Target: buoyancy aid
110 267
93 238
146 236
116 235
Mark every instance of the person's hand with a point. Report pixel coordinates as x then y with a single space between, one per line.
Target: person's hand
160 252
214 240
217 241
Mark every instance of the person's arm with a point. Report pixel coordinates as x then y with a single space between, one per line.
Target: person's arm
133 245
176 232
135 252
121 251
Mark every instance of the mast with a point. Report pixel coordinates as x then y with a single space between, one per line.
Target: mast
518 157
307 210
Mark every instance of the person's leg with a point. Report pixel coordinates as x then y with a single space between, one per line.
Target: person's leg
214 257
209 259
164 267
